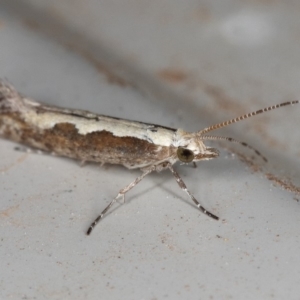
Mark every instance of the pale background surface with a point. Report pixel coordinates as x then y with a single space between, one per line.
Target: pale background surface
183 64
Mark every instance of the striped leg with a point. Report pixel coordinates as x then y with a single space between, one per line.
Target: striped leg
184 188
121 194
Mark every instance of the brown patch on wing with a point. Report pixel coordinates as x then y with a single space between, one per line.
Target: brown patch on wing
101 146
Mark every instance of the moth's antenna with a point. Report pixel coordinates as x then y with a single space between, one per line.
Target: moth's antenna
229 139
246 116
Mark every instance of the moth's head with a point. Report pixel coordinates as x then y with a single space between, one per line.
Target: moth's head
187 155
191 148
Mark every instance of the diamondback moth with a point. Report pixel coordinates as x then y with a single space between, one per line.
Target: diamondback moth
86 136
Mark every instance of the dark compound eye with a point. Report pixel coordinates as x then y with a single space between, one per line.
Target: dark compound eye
185 155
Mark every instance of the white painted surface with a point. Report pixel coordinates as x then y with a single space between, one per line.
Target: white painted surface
185 64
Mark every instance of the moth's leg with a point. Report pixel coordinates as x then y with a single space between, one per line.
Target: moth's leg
121 193
184 188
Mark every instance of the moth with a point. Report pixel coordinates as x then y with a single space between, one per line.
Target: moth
86 136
